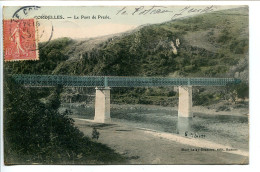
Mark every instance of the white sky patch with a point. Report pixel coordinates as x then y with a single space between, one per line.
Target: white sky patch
56 21
91 31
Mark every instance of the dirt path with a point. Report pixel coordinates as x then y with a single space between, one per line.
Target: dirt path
142 146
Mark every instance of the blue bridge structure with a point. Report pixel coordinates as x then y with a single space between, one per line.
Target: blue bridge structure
117 81
104 83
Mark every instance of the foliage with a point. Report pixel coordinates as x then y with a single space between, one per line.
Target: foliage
50 55
35 132
238 91
242 90
147 51
203 99
154 96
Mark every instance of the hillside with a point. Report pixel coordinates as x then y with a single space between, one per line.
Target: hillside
207 45
37 133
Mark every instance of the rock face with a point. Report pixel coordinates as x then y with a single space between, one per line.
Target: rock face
174 49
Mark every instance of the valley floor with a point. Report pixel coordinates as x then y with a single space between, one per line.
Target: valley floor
143 146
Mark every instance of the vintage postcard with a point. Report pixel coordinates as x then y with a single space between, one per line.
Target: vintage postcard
126 85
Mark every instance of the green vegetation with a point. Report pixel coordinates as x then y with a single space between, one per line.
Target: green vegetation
221 41
35 132
156 96
211 45
51 54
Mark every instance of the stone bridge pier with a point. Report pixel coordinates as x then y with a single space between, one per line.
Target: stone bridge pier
102 105
185 102
102 100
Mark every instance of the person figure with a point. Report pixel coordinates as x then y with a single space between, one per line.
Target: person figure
17 38
95 133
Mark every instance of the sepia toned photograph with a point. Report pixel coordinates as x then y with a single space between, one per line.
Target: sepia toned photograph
139 85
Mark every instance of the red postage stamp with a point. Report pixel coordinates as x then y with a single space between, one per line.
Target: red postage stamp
20 40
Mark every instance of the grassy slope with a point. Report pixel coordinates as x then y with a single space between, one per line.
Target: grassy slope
209 45
212 44
36 132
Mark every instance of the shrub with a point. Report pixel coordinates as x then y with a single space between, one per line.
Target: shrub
35 132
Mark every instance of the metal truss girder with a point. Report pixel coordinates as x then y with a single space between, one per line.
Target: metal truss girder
116 81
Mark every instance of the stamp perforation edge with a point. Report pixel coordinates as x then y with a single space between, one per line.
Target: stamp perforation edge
36 41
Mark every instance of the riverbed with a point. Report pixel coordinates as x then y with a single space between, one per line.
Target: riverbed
230 130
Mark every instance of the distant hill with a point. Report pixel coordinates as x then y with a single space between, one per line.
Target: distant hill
208 45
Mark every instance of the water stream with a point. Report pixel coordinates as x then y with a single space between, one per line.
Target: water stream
228 130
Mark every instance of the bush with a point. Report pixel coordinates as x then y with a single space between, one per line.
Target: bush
35 132
203 99
242 90
239 46
222 108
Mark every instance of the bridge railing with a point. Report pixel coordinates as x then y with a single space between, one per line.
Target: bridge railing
115 81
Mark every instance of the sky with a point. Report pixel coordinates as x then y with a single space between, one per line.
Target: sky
87 22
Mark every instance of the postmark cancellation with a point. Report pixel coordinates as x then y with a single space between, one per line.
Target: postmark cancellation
20 40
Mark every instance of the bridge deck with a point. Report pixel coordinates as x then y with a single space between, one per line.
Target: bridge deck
116 81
